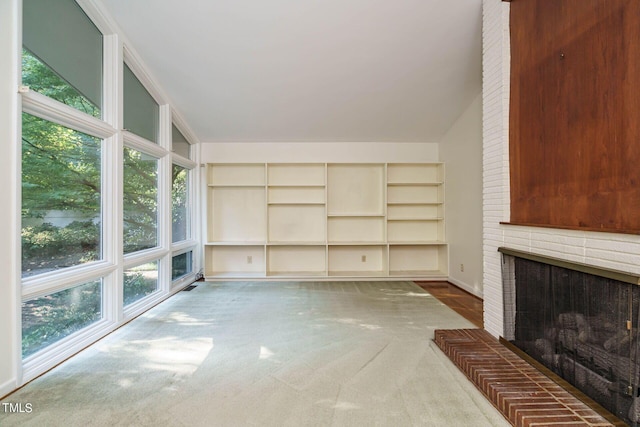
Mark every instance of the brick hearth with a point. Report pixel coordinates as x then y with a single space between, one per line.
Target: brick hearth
522 393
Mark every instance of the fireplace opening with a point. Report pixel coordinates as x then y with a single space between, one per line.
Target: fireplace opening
579 321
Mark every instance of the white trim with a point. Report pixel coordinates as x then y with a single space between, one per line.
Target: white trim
138 143
464 286
183 161
97 15
49 109
8 387
61 350
183 246
182 126
52 282
133 61
141 257
184 281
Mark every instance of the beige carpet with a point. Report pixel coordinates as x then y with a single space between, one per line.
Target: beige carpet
267 354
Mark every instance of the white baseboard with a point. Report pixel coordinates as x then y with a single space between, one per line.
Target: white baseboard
8 387
464 286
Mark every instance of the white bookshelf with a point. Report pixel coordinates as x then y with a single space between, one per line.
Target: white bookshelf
325 220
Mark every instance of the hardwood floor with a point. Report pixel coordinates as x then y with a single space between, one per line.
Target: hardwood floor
468 306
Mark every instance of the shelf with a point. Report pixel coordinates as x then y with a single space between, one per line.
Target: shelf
296 203
415 203
355 188
236 174
295 243
414 184
351 220
413 260
354 243
236 186
355 229
290 194
415 172
236 214
415 219
355 215
236 243
296 174
295 186
296 223
235 260
296 259
417 242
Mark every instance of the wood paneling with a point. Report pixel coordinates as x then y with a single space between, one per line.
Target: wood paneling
575 114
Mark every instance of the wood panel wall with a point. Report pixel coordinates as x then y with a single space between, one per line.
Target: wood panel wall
574 127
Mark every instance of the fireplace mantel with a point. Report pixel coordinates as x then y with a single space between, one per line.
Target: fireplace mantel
621 276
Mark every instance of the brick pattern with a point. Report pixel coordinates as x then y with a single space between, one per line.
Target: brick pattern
609 250
524 395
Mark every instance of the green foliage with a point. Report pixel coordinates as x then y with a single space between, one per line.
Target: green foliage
47 240
48 319
140 201
179 196
136 286
44 80
60 169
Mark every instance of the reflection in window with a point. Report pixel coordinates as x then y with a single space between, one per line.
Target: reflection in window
141 111
140 200
48 319
179 143
42 79
181 265
140 281
61 203
62 56
179 196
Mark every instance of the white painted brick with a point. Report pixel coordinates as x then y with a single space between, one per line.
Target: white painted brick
615 246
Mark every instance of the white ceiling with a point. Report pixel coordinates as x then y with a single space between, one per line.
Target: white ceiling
310 70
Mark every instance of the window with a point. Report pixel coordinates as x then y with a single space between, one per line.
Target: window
141 111
140 210
140 281
48 319
181 265
179 143
179 195
61 196
62 56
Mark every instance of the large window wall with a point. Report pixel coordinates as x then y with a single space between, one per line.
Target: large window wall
107 206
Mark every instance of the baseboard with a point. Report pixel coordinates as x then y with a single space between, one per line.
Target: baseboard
8 387
464 286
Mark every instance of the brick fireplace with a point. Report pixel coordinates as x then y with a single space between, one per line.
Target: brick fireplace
579 321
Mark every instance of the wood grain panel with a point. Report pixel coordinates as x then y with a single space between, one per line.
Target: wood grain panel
575 114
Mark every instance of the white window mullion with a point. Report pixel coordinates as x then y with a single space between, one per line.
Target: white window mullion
112 181
54 111
164 199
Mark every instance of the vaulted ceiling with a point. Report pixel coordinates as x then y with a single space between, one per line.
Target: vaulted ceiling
310 70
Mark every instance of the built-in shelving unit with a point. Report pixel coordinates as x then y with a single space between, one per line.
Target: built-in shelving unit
325 220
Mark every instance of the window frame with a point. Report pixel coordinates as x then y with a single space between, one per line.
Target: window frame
114 139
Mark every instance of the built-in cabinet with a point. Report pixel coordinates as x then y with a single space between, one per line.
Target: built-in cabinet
325 220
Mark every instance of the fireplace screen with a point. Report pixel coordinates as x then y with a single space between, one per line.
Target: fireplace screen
581 326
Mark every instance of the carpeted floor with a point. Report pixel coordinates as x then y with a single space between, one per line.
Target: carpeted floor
268 354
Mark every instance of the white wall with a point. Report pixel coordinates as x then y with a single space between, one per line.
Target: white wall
461 150
9 42
617 251
310 152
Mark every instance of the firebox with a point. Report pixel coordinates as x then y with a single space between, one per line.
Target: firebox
581 322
